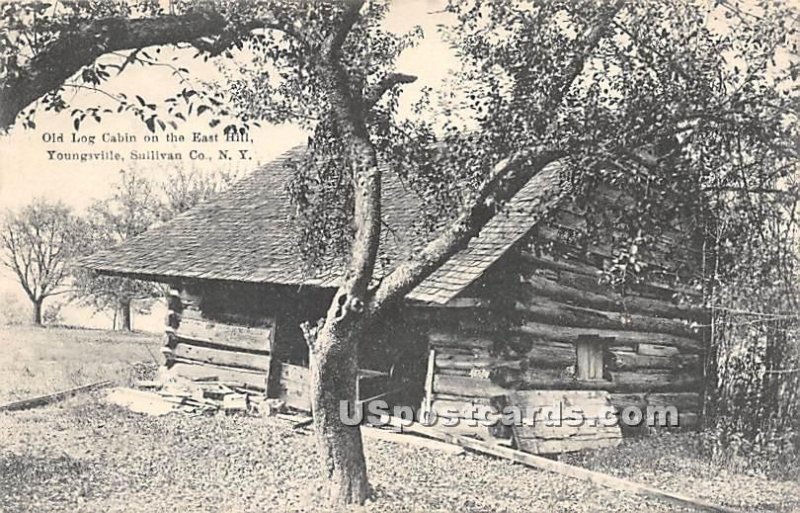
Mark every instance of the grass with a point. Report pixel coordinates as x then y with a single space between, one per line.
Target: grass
36 361
84 455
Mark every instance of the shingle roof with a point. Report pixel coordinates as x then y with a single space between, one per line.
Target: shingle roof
247 234
508 226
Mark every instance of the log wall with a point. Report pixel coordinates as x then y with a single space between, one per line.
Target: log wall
235 349
520 326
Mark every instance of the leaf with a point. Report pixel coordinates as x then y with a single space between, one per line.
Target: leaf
141 100
151 124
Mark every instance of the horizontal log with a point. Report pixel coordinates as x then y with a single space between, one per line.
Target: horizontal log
230 335
655 381
681 400
622 401
531 379
544 353
454 372
467 302
626 360
229 318
222 357
656 350
467 362
461 398
241 377
541 286
543 262
548 407
554 312
570 334
449 339
465 386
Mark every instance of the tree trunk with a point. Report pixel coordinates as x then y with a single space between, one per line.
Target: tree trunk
37 311
334 368
125 315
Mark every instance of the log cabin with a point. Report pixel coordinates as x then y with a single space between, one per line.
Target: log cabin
520 316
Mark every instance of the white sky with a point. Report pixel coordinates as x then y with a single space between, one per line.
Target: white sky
26 172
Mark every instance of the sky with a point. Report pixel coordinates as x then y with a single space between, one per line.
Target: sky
28 172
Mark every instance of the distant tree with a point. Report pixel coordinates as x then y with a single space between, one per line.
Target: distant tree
132 209
183 189
37 245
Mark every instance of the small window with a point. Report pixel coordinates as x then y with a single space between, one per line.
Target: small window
590 358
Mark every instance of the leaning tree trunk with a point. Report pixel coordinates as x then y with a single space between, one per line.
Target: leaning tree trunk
334 367
37 311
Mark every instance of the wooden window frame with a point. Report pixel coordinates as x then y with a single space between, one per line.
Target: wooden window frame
590 358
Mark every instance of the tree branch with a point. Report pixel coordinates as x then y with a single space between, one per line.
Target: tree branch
81 45
505 180
374 94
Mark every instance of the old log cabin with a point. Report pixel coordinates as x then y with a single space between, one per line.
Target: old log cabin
520 314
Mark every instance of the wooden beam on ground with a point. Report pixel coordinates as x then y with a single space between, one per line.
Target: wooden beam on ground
42 400
565 469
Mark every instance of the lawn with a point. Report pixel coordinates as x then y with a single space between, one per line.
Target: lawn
36 361
84 455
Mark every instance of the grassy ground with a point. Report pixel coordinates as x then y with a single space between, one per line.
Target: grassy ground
84 455
36 361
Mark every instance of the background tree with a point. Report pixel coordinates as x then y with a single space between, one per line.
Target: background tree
184 188
132 208
38 242
641 93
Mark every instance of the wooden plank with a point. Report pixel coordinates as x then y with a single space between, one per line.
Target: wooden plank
33 402
384 435
570 334
459 409
431 370
222 357
231 335
295 386
191 370
542 463
466 386
563 421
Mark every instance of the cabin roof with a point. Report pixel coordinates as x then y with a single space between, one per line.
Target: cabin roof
247 234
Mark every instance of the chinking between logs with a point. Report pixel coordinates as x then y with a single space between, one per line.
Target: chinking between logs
107 155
